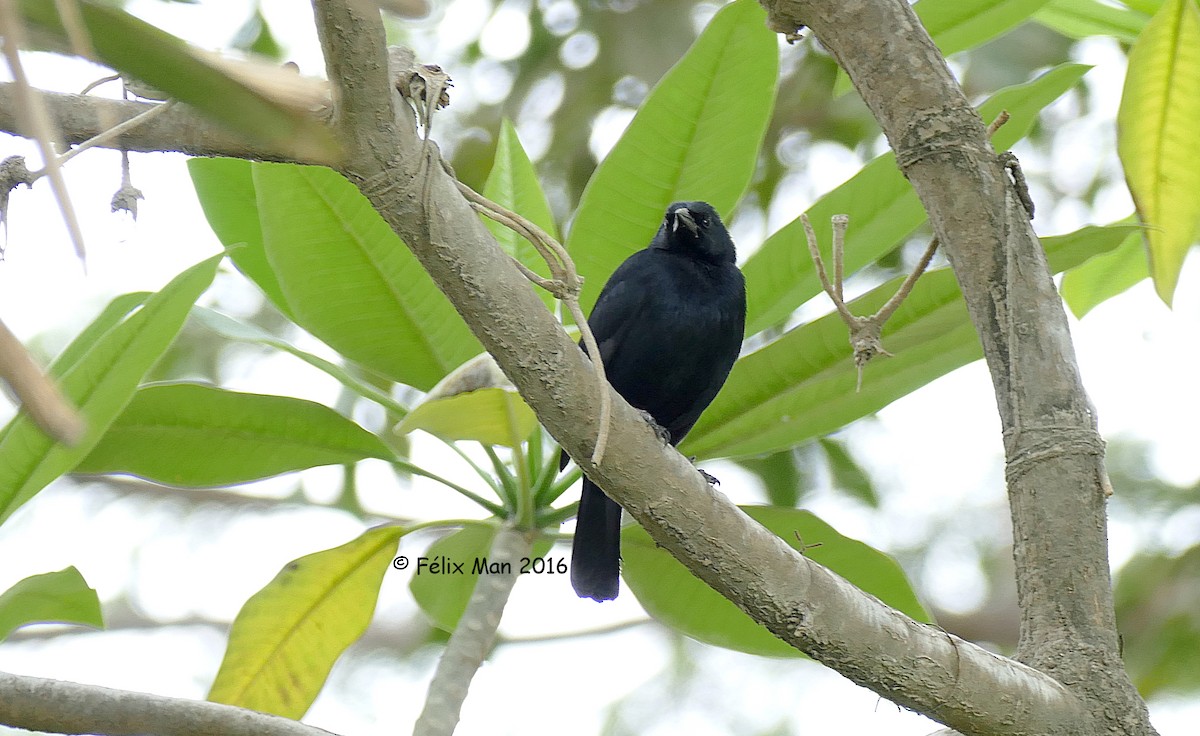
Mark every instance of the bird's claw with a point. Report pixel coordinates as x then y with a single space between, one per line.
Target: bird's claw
709 478
659 431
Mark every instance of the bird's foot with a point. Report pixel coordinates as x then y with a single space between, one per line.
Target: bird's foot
709 478
659 431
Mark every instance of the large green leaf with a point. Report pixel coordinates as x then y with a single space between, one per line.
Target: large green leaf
696 137
268 104
513 184
191 435
351 282
99 381
286 638
956 25
1083 18
1158 126
232 329
225 188
883 209
671 594
803 384
53 597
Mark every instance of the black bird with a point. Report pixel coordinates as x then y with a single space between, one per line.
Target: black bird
669 326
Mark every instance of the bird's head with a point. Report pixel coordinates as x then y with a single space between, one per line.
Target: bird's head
696 229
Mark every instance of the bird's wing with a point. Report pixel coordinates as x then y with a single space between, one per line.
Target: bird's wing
620 306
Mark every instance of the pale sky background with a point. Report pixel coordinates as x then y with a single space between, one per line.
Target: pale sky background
935 455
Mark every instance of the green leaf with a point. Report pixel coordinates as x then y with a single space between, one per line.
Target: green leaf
232 329
441 590
286 638
956 25
883 208
1103 277
1084 18
351 282
52 597
191 435
513 184
803 385
113 313
99 381
493 416
225 188
848 476
784 476
268 104
1158 125
671 594
696 137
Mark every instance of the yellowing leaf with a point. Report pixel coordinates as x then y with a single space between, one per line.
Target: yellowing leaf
286 638
493 416
1158 127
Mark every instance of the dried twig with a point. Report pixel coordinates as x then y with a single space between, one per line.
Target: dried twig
39 395
565 284
37 119
865 332
108 135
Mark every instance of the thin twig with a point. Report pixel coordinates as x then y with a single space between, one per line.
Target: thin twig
866 332
77 35
839 248
565 286
833 292
998 123
102 80
108 135
37 119
888 309
39 395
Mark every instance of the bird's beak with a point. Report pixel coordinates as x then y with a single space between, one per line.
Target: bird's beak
684 216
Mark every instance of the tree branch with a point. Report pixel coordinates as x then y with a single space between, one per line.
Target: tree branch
82 117
472 639
37 704
1057 482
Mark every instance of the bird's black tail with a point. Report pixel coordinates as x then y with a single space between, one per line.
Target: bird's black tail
596 552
